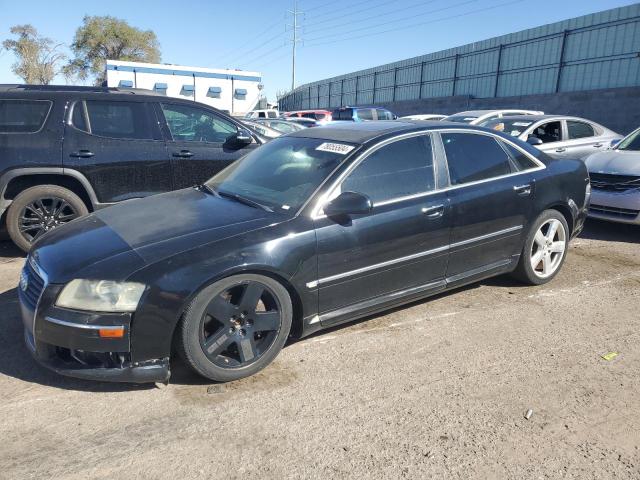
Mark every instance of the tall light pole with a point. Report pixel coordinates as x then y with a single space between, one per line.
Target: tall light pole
294 41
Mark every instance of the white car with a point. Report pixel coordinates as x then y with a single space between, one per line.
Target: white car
426 116
481 117
270 113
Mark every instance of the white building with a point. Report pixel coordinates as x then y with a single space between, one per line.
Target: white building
235 91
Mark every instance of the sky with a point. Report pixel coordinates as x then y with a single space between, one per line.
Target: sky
337 36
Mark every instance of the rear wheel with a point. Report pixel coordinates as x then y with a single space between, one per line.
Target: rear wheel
235 327
39 209
544 250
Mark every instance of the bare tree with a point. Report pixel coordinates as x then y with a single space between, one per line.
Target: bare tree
38 59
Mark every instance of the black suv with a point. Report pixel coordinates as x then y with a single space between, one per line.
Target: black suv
66 151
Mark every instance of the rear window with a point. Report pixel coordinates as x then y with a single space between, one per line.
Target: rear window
23 116
118 119
343 114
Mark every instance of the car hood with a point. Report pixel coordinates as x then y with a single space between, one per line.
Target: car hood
617 162
115 242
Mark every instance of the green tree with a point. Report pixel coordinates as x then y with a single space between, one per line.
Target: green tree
38 58
107 38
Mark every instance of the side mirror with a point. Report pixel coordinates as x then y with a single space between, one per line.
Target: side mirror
395 117
533 140
243 137
615 142
348 203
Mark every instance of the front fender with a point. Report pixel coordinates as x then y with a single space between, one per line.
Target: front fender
286 252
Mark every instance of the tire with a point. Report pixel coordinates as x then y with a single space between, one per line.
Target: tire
222 339
40 209
542 250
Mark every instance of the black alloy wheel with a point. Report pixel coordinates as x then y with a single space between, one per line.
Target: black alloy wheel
45 214
235 327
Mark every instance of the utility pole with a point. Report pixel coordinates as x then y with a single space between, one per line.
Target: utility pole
295 27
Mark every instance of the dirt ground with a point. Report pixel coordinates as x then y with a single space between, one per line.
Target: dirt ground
438 389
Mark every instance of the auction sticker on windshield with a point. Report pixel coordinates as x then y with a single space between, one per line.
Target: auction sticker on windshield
340 148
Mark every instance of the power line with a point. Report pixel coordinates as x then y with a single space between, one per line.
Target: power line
323 5
257 38
349 7
408 17
404 27
383 14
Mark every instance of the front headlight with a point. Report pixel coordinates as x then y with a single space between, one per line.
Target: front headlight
101 295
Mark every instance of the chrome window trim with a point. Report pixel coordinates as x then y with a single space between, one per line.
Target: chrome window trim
316 211
444 248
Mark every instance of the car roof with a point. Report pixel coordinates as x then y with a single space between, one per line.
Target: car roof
362 132
65 89
537 118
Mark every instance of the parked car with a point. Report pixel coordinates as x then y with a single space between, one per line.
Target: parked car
268 113
558 136
67 151
426 116
310 230
482 117
615 182
305 122
281 126
261 129
320 115
362 114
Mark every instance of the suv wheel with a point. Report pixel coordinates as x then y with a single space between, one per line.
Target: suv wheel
39 209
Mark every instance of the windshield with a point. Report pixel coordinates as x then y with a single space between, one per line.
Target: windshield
515 128
283 173
460 118
632 142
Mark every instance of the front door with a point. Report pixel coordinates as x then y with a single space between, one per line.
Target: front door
118 147
581 140
400 245
491 202
551 134
200 143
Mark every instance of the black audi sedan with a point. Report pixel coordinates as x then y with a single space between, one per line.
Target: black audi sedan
311 230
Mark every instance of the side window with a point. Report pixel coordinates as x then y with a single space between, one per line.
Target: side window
127 120
549 132
23 116
384 114
365 114
579 130
77 117
473 157
396 170
193 124
520 160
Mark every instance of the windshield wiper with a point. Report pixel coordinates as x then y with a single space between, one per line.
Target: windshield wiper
245 200
207 189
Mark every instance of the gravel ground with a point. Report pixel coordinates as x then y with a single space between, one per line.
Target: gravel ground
438 389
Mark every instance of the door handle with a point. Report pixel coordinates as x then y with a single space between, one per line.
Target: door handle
82 154
434 211
597 145
522 189
183 154
561 149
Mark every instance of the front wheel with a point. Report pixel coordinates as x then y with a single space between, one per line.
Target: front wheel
544 250
235 327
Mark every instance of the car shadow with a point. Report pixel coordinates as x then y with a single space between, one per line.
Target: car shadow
16 361
610 231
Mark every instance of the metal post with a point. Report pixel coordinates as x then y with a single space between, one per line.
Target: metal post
318 93
194 87
294 42
233 95
135 78
455 76
309 98
421 79
357 86
561 61
495 89
375 75
395 79
342 93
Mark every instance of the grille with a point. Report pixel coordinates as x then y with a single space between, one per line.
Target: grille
614 212
34 285
614 183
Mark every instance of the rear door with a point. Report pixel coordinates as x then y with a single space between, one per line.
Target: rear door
581 139
401 244
118 146
491 202
199 142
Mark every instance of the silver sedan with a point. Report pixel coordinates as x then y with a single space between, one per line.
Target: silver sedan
615 182
558 136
